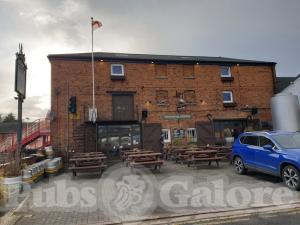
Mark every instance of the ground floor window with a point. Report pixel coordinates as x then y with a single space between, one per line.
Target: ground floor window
228 129
167 135
191 135
119 136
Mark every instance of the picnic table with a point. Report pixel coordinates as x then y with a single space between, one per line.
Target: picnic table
145 159
223 151
203 156
85 155
180 154
87 162
125 154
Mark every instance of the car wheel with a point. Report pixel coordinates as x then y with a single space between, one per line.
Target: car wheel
239 165
290 176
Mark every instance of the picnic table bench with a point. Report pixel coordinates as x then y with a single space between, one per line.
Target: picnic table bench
125 154
145 159
87 155
87 163
203 156
180 155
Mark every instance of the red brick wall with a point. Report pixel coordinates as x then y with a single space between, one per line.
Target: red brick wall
252 85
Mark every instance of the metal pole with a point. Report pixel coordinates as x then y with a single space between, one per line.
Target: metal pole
93 69
19 132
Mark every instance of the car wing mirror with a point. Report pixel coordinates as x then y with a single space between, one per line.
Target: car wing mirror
268 147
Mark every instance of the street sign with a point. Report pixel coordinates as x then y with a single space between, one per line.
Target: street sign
20 74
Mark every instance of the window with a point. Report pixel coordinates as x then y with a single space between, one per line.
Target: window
191 135
117 70
265 141
251 140
188 71
162 97
288 141
167 135
242 139
189 96
227 97
161 70
225 71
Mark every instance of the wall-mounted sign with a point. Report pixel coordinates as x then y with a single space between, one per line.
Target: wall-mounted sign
177 117
178 133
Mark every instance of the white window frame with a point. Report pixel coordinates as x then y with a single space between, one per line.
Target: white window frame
229 71
114 74
190 138
231 96
168 131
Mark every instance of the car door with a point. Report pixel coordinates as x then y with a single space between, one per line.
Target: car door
250 145
266 160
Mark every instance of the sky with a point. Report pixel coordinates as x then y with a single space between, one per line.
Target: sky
254 29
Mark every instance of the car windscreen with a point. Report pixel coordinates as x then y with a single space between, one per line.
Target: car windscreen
288 141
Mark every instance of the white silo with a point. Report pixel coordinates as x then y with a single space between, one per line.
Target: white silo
285 112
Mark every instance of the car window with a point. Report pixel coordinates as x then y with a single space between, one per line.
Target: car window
242 139
251 140
265 141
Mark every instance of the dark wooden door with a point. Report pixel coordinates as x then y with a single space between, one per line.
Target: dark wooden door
122 107
205 134
151 136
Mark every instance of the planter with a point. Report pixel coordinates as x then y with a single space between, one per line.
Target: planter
11 187
229 140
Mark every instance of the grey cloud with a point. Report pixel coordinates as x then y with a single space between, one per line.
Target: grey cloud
31 107
256 29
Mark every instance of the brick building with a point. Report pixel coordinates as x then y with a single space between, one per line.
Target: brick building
190 99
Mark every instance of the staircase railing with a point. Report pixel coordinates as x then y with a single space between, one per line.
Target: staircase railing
29 132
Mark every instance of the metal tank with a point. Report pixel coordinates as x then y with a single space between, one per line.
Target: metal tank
285 112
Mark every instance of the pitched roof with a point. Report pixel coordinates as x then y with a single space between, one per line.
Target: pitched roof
11 127
283 82
8 128
154 58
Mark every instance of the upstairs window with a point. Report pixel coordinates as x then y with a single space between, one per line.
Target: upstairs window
227 97
162 97
117 70
189 96
188 71
225 71
161 70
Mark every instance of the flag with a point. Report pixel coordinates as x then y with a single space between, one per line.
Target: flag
96 24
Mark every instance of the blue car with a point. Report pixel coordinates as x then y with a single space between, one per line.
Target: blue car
275 153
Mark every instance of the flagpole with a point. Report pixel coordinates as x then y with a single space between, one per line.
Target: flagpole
93 69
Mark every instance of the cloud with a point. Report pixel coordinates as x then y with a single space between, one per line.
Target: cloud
256 29
34 107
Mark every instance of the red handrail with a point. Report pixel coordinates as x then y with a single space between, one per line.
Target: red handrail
30 132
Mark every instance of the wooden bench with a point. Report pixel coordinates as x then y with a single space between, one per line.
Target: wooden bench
90 168
87 163
156 163
145 159
203 156
206 159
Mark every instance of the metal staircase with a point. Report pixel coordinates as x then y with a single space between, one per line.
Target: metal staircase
30 133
